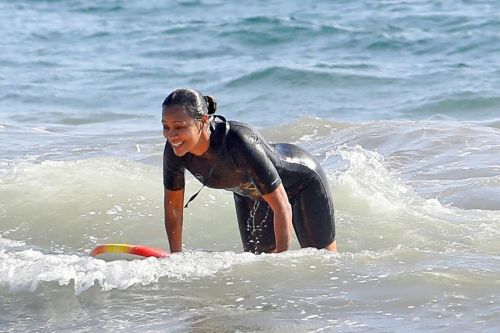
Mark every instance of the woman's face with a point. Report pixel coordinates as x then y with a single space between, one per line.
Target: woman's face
181 131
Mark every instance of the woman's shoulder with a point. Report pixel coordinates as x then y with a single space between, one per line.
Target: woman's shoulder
241 130
239 126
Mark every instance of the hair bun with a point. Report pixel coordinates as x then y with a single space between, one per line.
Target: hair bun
211 104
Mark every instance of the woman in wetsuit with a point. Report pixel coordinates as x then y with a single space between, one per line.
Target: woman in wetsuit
275 186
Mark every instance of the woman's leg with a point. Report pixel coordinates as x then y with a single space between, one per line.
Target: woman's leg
255 220
313 215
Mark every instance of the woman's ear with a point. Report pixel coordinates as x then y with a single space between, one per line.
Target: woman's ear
204 119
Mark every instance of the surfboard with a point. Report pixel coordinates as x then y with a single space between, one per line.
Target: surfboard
117 251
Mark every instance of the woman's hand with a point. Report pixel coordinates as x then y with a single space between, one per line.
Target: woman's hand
278 201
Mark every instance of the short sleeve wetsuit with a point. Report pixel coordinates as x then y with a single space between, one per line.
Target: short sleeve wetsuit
240 160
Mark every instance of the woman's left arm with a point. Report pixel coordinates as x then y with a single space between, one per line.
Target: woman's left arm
278 201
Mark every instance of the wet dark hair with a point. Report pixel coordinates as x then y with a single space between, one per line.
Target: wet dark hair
195 104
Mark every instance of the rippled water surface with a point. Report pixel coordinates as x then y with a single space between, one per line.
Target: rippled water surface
399 100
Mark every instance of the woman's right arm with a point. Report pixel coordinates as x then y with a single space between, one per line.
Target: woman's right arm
174 209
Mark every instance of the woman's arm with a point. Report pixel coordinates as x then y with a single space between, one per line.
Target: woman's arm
278 200
174 209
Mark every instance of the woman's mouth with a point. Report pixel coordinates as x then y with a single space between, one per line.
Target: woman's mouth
176 144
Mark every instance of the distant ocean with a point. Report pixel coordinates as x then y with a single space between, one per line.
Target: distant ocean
399 101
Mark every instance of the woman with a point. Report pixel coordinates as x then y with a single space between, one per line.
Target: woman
275 186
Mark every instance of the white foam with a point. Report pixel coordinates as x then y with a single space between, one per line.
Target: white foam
378 209
368 180
6 243
25 270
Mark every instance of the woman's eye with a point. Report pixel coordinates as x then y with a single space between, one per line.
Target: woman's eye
175 128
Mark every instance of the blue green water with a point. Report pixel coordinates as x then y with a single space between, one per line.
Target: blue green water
399 100
349 60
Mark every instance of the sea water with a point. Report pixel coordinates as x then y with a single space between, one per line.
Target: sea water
398 100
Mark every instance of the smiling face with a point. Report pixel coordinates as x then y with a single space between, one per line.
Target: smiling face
184 133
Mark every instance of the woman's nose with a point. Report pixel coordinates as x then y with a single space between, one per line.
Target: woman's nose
171 134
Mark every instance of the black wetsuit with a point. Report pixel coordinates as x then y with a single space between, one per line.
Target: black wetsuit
240 160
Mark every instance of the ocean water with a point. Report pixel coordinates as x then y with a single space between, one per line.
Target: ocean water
399 100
